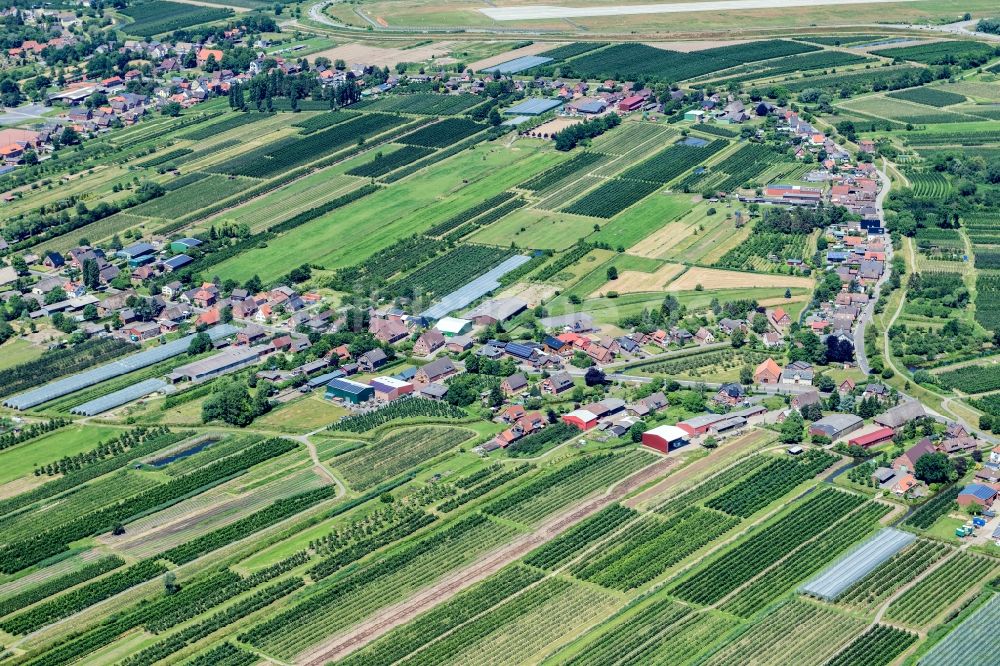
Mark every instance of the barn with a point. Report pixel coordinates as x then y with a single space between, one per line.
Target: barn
665 438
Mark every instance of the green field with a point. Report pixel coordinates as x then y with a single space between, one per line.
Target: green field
401 209
20 460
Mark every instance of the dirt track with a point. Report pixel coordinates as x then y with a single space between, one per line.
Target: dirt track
394 616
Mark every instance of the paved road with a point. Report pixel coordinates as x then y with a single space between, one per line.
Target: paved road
23 114
869 311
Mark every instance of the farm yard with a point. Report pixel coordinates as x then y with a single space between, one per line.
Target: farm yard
357 472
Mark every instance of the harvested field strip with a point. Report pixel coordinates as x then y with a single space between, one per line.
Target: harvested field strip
713 278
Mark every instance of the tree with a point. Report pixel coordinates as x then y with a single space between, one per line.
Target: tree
791 429
231 403
746 375
612 273
170 585
933 468
759 324
91 274
826 384
18 263
172 109
226 315
494 117
57 295
594 377
711 442
737 338
200 344
90 312
635 432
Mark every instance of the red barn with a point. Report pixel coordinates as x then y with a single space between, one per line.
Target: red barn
631 103
873 438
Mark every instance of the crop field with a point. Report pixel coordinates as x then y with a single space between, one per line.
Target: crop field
631 61
550 492
630 136
383 164
652 546
972 378
673 161
928 96
794 64
878 646
861 80
937 52
344 601
797 632
444 133
872 590
988 301
397 452
712 582
968 644
611 198
920 604
930 185
423 104
158 16
759 252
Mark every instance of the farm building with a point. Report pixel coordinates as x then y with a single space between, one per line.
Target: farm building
699 425
435 371
227 361
665 438
587 416
349 390
908 461
390 388
496 310
182 245
767 372
858 563
836 426
631 103
977 493
898 416
452 326
879 436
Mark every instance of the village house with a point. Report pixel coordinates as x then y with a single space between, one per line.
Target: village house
557 383
514 385
435 371
767 372
429 342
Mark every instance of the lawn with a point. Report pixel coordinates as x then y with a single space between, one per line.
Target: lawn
536 229
22 459
944 528
401 209
17 351
302 416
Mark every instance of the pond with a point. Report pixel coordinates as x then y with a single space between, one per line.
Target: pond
180 455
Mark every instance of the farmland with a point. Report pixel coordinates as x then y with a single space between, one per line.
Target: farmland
331 500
